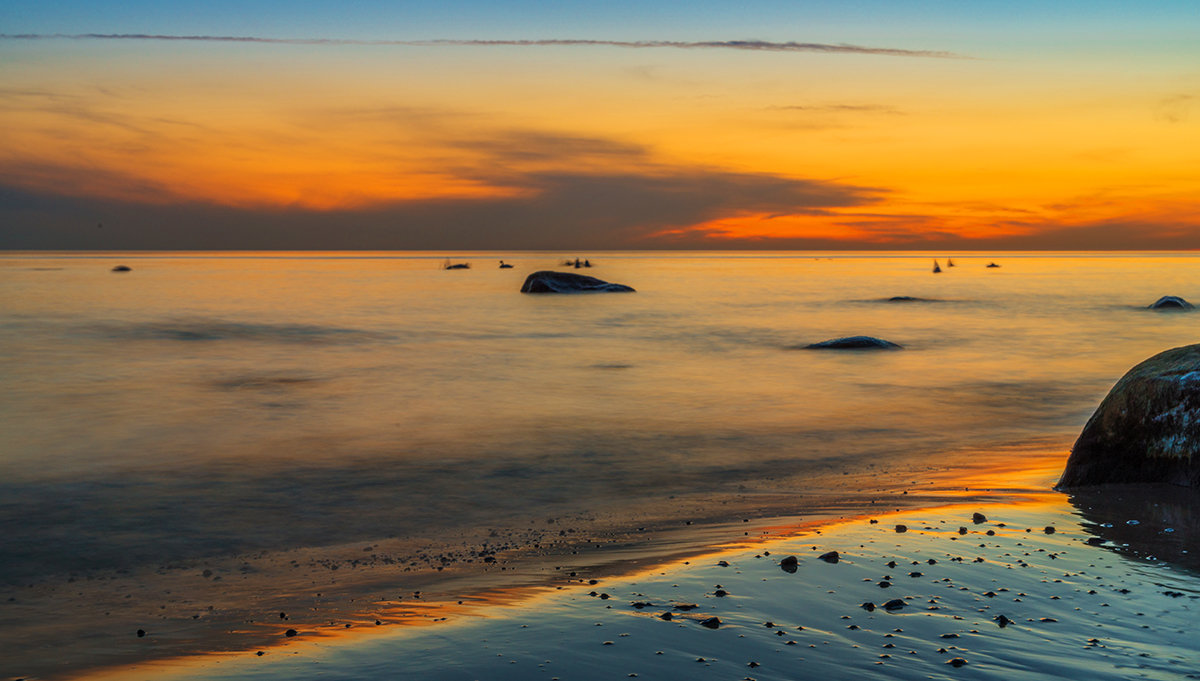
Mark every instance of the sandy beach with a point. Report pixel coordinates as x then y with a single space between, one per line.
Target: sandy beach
1114 579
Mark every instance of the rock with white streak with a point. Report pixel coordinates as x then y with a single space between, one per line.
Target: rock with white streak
1147 429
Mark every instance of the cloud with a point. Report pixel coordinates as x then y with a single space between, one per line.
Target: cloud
559 210
839 108
749 45
1174 109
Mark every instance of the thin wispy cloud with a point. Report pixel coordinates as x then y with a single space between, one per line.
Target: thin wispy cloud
744 45
839 108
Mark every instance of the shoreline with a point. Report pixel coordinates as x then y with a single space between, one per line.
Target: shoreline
247 603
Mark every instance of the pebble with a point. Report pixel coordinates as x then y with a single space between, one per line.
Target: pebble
978 518
831 557
711 623
290 633
956 662
902 528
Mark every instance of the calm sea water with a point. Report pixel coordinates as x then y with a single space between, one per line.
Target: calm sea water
204 404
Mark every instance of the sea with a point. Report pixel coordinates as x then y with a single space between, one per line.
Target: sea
207 404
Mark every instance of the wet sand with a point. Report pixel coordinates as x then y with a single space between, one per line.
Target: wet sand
354 608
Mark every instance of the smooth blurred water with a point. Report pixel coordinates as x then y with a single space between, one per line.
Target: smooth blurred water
211 403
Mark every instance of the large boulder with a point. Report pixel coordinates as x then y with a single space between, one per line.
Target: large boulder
1147 429
547 281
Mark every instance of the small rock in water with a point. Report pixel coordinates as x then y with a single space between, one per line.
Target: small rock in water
723 563
141 633
122 268
290 633
789 561
1002 621
1170 303
1048 529
831 557
853 343
894 604
666 616
956 662
868 606
978 518
902 528
711 622
720 593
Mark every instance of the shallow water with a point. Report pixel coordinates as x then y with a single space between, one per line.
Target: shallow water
207 404
1073 610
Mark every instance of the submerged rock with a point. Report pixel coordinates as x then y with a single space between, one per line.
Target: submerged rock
853 343
1147 429
1171 303
831 557
127 268
547 281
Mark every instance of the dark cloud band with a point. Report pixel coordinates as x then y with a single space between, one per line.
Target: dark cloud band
745 45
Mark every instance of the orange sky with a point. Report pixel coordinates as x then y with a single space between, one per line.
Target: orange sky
992 146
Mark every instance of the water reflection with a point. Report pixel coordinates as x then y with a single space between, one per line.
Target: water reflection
1152 522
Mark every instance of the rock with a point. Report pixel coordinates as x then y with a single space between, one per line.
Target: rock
956 661
141 633
978 518
666 616
290 633
1147 429
894 604
853 343
127 268
868 606
711 622
831 557
1170 303
789 560
1002 621
902 528
905 299
547 281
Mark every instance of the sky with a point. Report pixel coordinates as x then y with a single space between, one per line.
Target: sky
464 125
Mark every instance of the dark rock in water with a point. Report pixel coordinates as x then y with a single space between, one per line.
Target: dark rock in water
1049 529
1147 429
1002 621
868 606
127 268
1171 303
956 662
789 560
141 633
902 528
894 604
711 622
903 299
666 616
547 281
978 518
853 343
720 593
290 633
831 557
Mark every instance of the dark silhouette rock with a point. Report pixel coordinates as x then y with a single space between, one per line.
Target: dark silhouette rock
902 528
906 299
1147 429
978 518
547 281
853 343
1171 303
127 268
711 622
789 560
831 557
290 633
868 606
894 604
141 633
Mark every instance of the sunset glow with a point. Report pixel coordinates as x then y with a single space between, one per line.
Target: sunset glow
865 126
